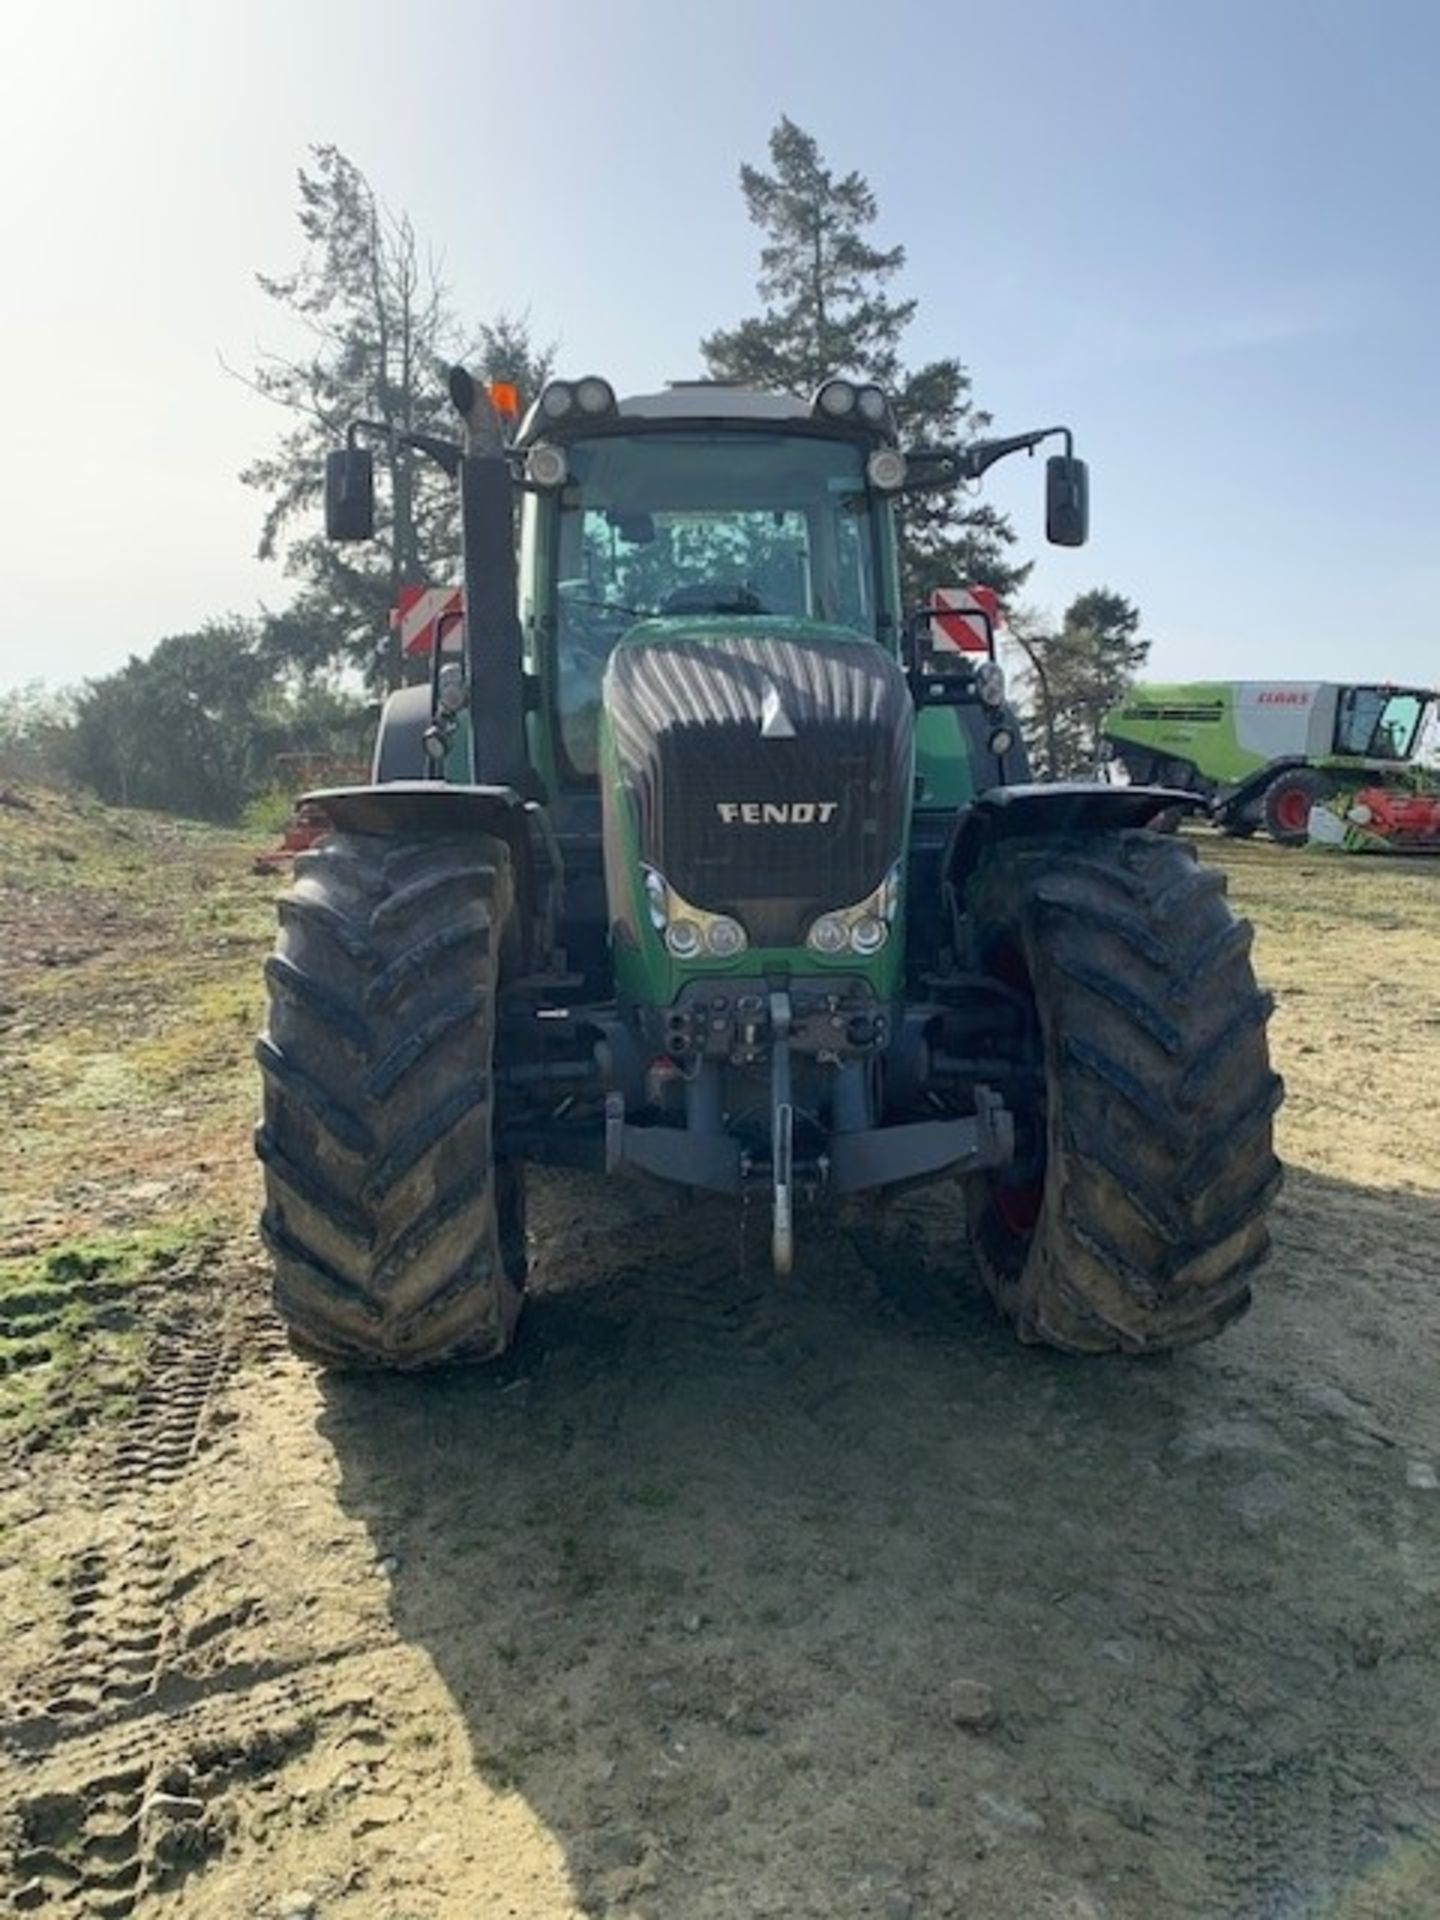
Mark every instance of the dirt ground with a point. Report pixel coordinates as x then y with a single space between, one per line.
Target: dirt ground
719 1598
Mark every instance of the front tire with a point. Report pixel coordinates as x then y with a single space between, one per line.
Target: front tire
1137 1210
1287 802
397 1241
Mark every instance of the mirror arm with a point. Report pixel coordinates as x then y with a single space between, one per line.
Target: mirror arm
445 453
975 460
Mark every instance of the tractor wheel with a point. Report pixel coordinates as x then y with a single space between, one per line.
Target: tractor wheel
1169 820
397 1241
1135 1211
1287 802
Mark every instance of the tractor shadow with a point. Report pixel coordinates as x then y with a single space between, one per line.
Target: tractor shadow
829 1599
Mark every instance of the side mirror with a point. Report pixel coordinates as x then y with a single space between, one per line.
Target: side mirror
1067 501
350 494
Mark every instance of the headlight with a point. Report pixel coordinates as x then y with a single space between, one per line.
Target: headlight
828 934
682 937
868 934
862 929
690 933
547 467
1001 742
873 405
836 398
990 683
886 469
593 395
557 400
725 937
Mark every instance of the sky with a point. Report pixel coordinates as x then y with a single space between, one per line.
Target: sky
1204 237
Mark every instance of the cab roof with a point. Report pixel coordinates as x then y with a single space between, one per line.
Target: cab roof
693 401
713 400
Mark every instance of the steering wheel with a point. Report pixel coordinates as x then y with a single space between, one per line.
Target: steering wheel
713 596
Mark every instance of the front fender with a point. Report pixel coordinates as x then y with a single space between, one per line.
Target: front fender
1051 811
418 806
414 808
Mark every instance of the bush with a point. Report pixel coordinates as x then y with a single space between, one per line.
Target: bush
268 812
208 725
34 720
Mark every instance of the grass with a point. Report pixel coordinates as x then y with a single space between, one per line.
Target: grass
268 814
71 1337
207 1030
126 1017
1346 944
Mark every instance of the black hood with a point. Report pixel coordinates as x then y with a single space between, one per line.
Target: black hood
770 764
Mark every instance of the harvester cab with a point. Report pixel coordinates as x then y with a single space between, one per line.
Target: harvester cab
658 876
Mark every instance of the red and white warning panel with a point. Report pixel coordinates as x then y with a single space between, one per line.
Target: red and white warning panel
958 623
958 620
420 612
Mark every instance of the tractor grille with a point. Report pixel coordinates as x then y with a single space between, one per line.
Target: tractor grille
771 777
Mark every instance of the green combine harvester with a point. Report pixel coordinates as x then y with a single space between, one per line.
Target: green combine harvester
694 861
1263 753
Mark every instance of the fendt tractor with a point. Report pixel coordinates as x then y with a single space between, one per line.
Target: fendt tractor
1263 753
693 861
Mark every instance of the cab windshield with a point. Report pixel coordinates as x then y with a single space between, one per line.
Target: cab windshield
1378 725
702 524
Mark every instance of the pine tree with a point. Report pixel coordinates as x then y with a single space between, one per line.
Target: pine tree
827 310
1078 674
383 334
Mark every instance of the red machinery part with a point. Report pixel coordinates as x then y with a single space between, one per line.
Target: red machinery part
305 826
1407 819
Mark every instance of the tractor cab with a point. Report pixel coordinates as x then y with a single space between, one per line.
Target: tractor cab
704 508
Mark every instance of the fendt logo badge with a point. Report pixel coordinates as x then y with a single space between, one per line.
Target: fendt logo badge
777 813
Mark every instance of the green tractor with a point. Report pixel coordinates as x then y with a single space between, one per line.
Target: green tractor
695 861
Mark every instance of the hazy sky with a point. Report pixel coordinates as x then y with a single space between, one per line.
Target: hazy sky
1205 236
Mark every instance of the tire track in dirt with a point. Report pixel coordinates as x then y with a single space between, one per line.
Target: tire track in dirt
1283 1832
130 1736
112 1632
1327 1828
187 1366
132 1810
121 1592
